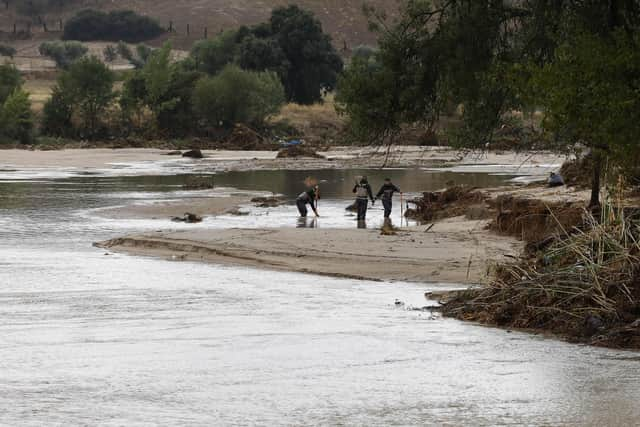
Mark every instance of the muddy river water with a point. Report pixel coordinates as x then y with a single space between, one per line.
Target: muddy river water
94 339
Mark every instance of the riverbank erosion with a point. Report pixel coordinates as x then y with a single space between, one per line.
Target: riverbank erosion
453 251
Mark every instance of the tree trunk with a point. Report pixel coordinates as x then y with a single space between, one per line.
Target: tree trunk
595 181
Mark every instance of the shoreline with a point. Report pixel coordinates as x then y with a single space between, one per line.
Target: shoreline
453 251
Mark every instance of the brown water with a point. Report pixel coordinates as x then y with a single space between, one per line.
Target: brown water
89 339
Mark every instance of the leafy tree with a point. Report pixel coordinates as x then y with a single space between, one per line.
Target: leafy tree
85 90
125 25
63 53
164 88
238 96
10 80
314 64
16 118
591 95
477 54
57 113
212 55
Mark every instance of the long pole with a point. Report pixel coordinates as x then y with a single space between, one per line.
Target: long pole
401 210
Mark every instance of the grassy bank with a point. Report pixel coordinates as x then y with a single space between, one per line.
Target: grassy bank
581 282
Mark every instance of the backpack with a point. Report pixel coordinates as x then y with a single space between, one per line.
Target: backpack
361 191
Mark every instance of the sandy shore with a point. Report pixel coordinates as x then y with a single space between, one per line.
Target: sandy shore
538 164
453 251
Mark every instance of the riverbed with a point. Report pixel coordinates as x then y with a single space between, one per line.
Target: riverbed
94 338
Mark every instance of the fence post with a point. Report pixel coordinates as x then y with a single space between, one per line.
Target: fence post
60 24
171 26
205 32
188 29
15 29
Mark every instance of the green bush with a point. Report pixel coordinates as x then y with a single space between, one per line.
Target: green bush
16 118
63 53
238 96
84 91
10 80
212 55
125 25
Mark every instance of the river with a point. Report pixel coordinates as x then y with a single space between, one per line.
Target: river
93 339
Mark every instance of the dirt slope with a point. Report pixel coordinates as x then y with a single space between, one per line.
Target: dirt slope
343 19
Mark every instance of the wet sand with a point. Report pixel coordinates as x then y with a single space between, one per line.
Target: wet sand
336 157
453 251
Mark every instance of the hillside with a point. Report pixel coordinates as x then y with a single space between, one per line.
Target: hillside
343 19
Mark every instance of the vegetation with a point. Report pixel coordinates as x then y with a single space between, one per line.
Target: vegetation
292 44
83 92
238 96
64 53
118 25
16 119
7 51
492 57
585 284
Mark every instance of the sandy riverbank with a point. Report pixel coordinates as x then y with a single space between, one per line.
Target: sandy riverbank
455 250
536 164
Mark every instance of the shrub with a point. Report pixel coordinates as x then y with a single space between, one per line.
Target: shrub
238 96
85 90
16 118
212 55
7 51
10 80
63 53
125 25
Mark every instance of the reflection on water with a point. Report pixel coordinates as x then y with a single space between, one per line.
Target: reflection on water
88 339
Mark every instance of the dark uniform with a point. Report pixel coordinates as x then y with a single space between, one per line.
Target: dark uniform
308 197
363 192
386 195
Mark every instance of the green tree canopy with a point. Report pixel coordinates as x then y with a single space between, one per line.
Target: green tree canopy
84 90
238 96
10 80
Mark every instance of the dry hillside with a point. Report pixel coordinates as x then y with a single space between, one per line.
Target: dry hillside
343 19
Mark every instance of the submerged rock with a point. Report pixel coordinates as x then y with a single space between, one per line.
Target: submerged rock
189 218
193 154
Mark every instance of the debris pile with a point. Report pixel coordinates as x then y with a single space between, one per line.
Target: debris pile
269 201
585 285
533 220
454 201
295 151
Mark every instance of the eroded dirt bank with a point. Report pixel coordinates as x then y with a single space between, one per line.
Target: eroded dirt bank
455 250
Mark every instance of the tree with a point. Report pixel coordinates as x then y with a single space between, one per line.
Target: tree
238 96
478 55
63 53
591 95
85 90
117 25
212 55
16 118
10 80
165 88
313 63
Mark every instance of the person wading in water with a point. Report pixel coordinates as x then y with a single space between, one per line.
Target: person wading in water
309 197
386 195
363 192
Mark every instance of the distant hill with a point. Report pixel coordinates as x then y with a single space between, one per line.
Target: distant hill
343 19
